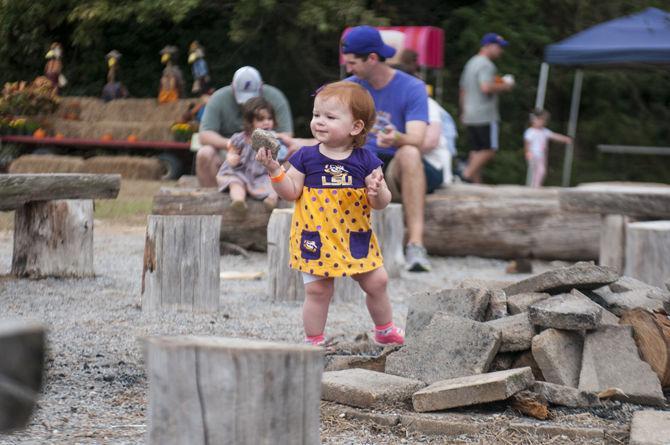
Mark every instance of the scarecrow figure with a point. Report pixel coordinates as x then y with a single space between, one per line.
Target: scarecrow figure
54 67
113 89
172 81
196 57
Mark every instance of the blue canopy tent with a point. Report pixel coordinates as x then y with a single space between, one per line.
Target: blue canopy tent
638 39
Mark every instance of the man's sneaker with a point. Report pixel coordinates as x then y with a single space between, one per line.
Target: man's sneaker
390 336
416 259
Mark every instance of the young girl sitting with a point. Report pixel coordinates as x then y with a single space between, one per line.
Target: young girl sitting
536 143
241 173
335 185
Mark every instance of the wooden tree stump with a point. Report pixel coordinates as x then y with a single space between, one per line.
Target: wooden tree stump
208 390
648 251
21 368
389 227
181 263
652 336
613 241
284 283
53 239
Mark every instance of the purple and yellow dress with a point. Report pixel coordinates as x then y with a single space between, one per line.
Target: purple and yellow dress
331 233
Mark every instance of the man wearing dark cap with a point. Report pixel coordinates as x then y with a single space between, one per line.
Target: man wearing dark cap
223 117
479 89
402 115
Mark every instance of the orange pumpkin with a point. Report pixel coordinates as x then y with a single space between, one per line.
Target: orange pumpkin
59 136
132 138
106 137
39 134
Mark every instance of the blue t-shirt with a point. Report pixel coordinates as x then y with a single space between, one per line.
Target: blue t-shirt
402 100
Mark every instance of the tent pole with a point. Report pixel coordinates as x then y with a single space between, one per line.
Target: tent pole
439 88
572 126
542 86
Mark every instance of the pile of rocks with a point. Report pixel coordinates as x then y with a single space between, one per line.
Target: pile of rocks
554 337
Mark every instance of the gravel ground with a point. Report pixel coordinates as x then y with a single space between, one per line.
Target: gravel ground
95 388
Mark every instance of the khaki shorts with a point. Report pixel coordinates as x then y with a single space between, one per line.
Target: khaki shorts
434 178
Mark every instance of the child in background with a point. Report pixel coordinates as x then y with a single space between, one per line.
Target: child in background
335 185
536 144
241 173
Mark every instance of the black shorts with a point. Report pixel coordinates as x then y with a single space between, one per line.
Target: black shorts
483 137
434 177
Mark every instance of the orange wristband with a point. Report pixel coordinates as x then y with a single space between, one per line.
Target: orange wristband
279 177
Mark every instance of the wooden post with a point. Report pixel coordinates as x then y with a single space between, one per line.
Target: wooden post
53 239
229 391
390 230
21 368
613 241
648 251
181 263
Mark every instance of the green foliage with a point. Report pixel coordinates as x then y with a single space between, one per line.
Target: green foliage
294 43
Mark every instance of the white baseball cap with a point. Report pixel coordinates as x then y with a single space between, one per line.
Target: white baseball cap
247 83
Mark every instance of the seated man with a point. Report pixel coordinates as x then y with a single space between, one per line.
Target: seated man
223 117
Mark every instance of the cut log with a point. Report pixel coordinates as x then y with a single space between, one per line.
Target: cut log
639 200
286 284
181 263
53 239
389 228
613 241
652 336
507 222
208 390
21 369
648 252
18 189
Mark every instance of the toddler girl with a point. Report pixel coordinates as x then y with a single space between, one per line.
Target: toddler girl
536 143
335 185
241 173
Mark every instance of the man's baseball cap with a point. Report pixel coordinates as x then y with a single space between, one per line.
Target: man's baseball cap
492 37
247 83
366 40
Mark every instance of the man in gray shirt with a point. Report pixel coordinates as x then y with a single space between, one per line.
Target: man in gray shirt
479 89
223 117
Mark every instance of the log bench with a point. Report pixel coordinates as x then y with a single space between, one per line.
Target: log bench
53 222
634 239
489 221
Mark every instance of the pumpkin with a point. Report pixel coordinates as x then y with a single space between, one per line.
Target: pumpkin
39 134
106 137
132 138
59 136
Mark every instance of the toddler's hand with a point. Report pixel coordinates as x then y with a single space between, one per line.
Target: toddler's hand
233 158
373 182
264 156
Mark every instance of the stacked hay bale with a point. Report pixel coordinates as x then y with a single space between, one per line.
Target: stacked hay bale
47 164
129 167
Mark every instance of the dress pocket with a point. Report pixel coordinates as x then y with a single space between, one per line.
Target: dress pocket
310 245
359 244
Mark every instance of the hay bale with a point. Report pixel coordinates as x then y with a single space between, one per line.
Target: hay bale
47 164
129 167
126 110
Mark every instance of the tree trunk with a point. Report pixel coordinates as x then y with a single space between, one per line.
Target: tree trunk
613 241
507 222
181 263
21 369
652 336
225 391
19 189
390 231
53 239
648 251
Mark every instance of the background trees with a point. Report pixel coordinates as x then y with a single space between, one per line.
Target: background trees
294 44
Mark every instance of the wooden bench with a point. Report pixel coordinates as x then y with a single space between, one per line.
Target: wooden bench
53 223
620 206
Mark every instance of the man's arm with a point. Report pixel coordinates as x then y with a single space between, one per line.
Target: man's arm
209 137
432 138
495 88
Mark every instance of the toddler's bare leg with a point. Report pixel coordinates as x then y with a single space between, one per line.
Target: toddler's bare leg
374 284
315 309
237 192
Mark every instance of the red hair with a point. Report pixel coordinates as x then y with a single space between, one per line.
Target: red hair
359 101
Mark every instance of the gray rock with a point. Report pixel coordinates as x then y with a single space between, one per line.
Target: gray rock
628 293
517 332
650 428
448 347
476 283
471 390
559 355
502 361
466 303
497 305
566 311
526 359
611 360
607 317
341 362
519 303
581 275
565 395
366 389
